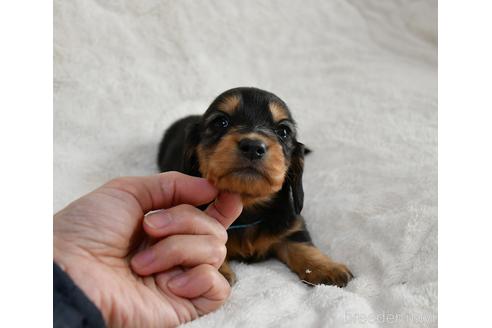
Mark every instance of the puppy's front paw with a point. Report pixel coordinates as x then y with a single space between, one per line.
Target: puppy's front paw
329 273
227 272
312 266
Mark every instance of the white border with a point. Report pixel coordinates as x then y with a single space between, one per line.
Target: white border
465 144
26 130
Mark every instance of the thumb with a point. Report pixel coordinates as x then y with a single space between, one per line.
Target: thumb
226 208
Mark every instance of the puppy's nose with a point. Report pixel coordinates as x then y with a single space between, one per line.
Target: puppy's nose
252 149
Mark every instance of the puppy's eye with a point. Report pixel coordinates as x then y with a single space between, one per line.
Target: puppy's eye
283 132
220 123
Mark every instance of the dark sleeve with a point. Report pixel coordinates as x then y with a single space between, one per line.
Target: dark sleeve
71 307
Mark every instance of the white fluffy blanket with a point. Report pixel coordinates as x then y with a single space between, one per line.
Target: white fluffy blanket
361 79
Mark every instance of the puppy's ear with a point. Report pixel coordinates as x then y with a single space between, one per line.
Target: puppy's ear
294 176
190 159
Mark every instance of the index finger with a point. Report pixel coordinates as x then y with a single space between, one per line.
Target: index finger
165 190
226 208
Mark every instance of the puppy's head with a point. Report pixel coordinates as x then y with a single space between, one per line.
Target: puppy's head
246 143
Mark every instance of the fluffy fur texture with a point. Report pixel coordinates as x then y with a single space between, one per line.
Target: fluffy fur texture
361 77
246 142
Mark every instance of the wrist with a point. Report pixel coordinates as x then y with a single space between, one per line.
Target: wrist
77 264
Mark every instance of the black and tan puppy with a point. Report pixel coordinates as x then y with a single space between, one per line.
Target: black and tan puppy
246 143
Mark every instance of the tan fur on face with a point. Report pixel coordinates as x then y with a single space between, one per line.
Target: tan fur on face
278 112
229 104
218 165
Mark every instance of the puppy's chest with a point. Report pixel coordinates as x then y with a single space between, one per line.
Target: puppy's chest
250 244
257 242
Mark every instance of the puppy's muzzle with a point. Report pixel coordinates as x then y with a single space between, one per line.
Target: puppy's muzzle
252 149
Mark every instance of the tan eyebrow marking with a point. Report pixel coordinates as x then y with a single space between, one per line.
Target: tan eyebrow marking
278 112
229 104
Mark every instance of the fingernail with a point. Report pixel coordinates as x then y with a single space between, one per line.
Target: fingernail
178 281
144 258
220 197
158 220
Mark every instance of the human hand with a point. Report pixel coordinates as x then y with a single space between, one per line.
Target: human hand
173 281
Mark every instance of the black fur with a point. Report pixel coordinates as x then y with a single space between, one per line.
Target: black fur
176 152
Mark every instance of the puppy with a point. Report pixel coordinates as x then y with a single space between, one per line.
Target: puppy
246 142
